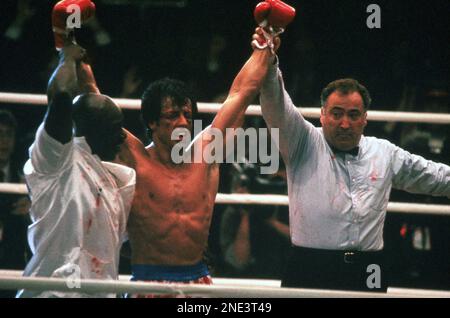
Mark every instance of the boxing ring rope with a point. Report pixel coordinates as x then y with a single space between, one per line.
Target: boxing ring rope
37 99
222 288
253 110
313 112
276 199
13 188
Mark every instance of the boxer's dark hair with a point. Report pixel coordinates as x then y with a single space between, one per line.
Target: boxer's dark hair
156 92
346 86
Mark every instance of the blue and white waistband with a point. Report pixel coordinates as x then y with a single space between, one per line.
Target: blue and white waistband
169 272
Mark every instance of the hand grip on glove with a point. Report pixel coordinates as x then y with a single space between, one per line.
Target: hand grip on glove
272 16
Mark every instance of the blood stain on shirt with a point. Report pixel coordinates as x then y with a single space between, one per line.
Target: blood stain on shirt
98 199
95 261
96 265
374 176
89 224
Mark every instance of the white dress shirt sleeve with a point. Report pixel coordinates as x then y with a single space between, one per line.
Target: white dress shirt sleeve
416 174
279 112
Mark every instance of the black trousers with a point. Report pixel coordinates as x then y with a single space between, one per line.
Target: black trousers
335 269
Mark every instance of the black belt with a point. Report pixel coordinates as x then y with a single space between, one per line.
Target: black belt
346 256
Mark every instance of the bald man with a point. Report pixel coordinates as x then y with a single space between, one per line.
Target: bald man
80 201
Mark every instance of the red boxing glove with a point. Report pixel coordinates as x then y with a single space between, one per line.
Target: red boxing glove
272 16
274 13
64 18
261 12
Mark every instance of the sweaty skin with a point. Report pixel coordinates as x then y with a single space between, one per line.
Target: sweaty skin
171 213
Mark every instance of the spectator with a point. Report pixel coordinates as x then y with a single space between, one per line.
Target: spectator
13 208
255 239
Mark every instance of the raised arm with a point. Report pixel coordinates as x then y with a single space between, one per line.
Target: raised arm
86 79
272 18
280 112
243 91
71 76
62 88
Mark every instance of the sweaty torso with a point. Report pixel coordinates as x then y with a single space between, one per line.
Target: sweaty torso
171 212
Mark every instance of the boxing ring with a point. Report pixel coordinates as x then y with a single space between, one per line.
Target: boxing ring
225 287
253 110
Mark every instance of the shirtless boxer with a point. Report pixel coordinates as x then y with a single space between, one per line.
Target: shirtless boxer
171 213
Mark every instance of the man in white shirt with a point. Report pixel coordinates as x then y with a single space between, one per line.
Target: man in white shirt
339 183
80 203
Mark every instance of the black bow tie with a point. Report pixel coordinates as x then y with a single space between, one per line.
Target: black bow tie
353 151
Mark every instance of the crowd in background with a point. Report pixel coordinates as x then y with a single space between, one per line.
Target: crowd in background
405 66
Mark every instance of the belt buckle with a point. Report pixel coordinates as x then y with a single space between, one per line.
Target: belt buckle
348 257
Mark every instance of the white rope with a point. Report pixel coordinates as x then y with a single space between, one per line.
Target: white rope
253 110
15 98
254 199
275 199
433 209
13 188
217 280
222 288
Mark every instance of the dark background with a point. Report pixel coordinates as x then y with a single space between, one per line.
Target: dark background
405 65
328 39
